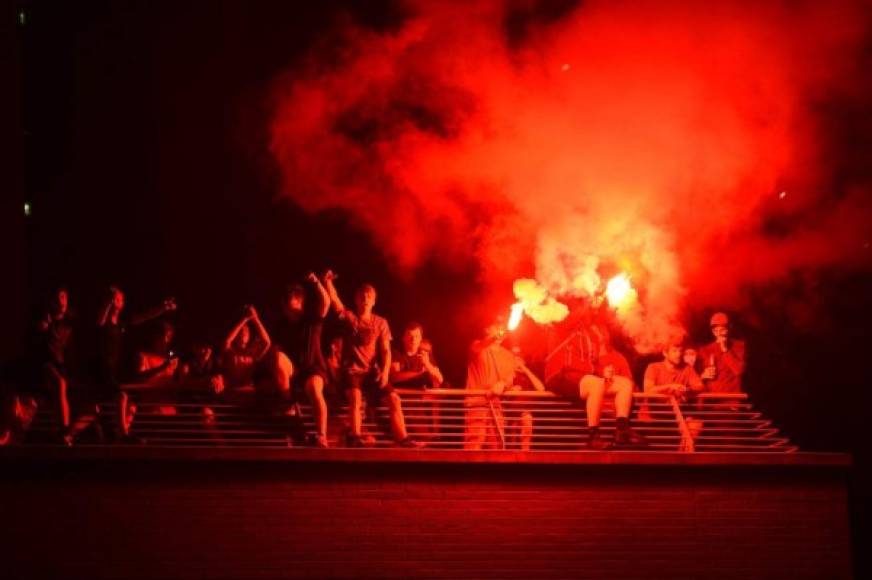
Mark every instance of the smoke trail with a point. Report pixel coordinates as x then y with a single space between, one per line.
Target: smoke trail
654 138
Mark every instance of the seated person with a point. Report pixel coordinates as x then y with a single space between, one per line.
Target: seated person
154 378
241 355
412 365
156 365
672 376
611 377
492 367
201 380
573 357
366 362
298 359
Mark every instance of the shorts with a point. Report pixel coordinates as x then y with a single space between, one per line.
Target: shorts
420 382
565 385
367 383
299 379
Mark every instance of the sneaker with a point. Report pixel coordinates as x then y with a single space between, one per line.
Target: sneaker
629 437
319 441
409 443
597 443
128 439
354 441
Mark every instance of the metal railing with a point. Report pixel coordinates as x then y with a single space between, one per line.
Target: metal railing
441 418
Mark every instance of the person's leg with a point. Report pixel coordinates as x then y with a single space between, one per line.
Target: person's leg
315 391
525 422
398 420
592 390
58 386
83 420
495 433
355 418
622 389
282 371
477 419
123 419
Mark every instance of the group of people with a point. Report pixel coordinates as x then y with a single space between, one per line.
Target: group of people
294 360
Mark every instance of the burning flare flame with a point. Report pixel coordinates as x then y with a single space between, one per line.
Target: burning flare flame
516 315
620 291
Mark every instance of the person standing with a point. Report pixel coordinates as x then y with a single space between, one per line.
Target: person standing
723 360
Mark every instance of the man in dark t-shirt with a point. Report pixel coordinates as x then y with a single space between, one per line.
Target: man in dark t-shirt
299 358
51 374
366 362
412 365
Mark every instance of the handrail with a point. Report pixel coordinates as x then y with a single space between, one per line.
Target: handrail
550 395
727 421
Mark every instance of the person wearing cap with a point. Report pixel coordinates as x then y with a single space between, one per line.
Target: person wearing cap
723 360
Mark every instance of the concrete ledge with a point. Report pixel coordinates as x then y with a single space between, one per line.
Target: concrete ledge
38 454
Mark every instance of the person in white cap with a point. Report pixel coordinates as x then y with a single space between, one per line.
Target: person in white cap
723 360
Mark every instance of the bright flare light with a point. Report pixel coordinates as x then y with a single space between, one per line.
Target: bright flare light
619 290
515 316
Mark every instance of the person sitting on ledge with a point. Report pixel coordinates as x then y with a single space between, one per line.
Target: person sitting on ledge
413 367
154 378
241 355
366 336
298 357
672 376
611 377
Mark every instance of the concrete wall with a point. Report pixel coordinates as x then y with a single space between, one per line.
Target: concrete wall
230 519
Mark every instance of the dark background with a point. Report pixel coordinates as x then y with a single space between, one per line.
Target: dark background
137 131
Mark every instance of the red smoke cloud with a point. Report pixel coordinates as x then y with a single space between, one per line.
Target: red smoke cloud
649 137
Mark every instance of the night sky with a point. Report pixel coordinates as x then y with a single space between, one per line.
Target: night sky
139 137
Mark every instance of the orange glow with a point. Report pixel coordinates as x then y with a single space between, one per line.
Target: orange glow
515 317
619 290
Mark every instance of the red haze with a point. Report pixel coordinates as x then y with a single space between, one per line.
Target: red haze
649 137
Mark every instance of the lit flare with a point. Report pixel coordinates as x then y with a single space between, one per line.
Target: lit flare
619 290
516 315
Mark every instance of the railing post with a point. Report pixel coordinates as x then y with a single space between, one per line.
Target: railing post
496 419
686 445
